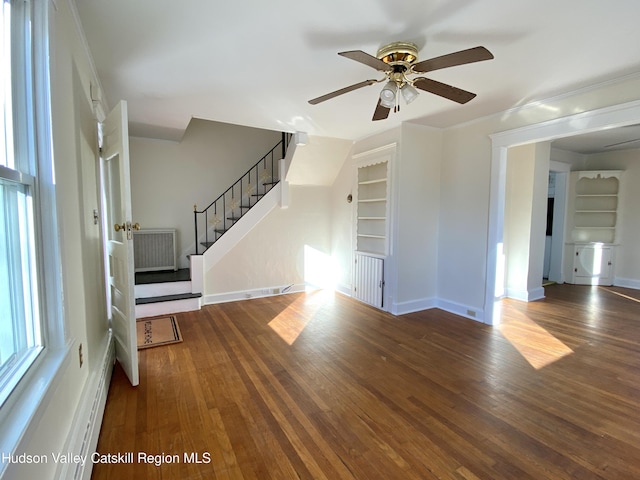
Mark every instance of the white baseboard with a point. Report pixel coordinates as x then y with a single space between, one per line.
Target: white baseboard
461 310
255 293
344 289
627 283
83 436
526 295
402 308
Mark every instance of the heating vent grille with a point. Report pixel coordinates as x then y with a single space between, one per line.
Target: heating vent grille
155 249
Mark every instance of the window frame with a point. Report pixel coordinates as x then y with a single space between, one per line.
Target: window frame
27 403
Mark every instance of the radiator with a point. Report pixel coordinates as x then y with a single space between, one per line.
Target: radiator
369 280
155 249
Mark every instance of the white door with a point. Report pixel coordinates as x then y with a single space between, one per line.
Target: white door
119 236
593 265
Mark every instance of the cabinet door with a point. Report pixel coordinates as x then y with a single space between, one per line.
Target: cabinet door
593 265
368 283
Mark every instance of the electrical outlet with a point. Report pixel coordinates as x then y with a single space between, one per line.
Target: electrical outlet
80 355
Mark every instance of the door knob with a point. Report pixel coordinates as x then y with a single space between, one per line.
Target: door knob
117 227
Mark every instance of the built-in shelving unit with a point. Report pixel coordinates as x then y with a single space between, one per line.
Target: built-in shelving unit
593 233
372 222
595 213
372 208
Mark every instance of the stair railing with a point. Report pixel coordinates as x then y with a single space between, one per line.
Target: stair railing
238 199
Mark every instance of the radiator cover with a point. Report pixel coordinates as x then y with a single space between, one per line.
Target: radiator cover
155 249
368 284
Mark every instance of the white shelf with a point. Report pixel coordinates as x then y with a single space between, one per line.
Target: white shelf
596 211
371 233
365 235
371 182
595 228
597 195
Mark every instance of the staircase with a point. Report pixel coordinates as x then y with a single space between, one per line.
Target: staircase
162 293
212 222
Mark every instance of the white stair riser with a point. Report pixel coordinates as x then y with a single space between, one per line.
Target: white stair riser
161 289
166 308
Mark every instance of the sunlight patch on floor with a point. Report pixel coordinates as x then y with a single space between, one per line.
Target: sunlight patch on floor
628 297
291 322
534 343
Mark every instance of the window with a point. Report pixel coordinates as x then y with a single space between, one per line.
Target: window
32 345
20 338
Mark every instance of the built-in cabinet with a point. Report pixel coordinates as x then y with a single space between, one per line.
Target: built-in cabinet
593 226
372 224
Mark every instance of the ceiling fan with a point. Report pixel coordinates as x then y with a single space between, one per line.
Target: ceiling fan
399 61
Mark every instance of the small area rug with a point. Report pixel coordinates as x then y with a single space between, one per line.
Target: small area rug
157 331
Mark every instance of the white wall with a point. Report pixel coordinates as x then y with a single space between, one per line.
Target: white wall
627 261
525 219
74 142
275 252
466 186
464 205
168 178
343 218
416 217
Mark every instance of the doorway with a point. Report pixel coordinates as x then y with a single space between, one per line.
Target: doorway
608 117
555 226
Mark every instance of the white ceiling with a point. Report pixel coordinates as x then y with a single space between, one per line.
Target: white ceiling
622 138
257 62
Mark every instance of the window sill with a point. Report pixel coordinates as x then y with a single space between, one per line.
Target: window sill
28 402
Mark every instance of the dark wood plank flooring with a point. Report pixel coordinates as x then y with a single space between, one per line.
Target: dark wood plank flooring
319 386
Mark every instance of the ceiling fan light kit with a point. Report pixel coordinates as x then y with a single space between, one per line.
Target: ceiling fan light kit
409 93
399 62
388 94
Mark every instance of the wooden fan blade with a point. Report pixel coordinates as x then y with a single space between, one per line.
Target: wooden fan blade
476 54
369 60
381 112
443 90
350 88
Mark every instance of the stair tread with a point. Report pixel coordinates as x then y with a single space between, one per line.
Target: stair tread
163 276
167 298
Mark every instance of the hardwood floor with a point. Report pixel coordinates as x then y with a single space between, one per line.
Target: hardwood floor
314 386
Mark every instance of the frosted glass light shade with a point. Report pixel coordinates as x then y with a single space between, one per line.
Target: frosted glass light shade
409 93
388 95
